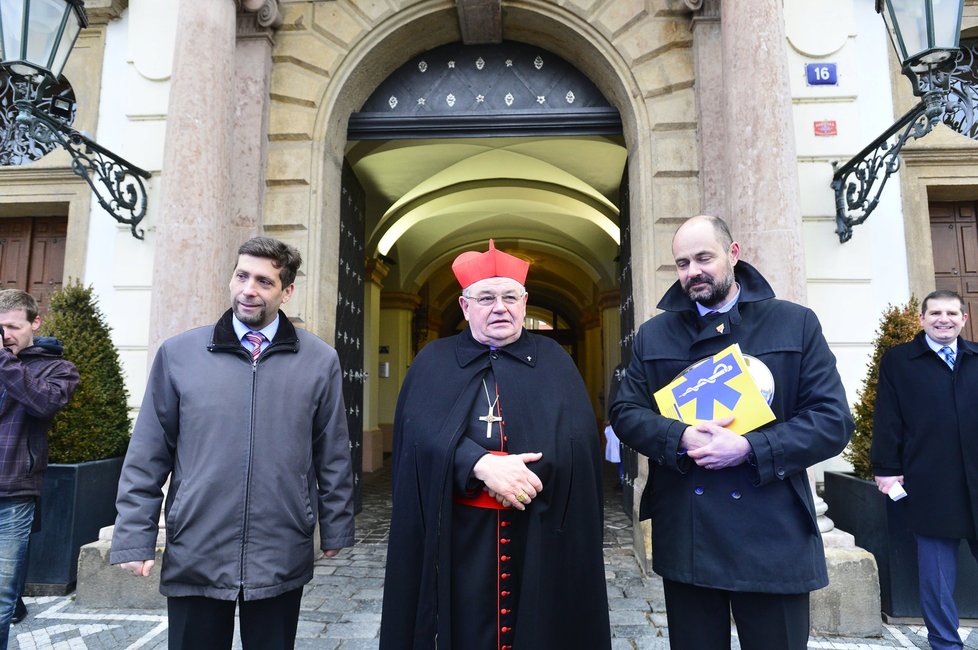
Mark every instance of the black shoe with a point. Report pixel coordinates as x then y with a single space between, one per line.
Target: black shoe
20 611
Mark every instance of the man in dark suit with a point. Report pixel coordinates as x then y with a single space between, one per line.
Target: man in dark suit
734 524
925 437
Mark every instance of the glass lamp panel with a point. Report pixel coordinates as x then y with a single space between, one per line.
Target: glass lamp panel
44 26
12 22
909 19
947 23
73 27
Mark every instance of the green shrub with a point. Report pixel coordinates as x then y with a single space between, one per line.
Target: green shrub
95 423
898 325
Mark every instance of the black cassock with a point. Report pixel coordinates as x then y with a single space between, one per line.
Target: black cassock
481 578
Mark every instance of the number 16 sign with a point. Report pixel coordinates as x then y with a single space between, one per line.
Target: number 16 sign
821 74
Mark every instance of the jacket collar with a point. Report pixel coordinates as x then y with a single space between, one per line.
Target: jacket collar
224 337
921 348
467 349
44 346
753 288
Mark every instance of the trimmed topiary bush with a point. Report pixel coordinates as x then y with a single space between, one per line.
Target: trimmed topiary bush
898 325
95 423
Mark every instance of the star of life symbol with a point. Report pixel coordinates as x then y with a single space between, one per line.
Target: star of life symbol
706 384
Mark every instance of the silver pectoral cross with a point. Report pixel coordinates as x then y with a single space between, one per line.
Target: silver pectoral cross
489 419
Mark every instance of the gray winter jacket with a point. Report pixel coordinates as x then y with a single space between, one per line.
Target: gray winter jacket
251 450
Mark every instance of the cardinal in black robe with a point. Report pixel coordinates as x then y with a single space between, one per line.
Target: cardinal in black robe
497 523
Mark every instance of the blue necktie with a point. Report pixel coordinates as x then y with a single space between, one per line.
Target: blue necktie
948 355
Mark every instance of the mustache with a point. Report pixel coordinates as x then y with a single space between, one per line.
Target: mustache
697 279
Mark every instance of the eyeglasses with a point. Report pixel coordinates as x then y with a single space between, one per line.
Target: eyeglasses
489 299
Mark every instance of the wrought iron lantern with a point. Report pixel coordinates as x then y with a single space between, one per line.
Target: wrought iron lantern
36 37
926 36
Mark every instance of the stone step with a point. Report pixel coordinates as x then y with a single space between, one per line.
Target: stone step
103 586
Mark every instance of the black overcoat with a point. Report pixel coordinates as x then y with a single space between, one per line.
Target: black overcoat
563 602
925 428
751 527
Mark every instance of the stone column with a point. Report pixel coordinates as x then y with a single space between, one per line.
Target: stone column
191 270
761 165
761 162
762 194
373 439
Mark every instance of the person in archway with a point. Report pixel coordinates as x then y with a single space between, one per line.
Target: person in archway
733 519
496 528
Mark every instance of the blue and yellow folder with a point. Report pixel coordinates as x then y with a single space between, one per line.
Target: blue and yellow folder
716 387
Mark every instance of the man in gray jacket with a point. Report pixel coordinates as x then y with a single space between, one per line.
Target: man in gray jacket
248 417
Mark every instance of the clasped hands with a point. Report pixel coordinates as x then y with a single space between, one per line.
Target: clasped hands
508 479
712 446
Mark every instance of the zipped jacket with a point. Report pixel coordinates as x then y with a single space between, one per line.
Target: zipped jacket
258 452
34 385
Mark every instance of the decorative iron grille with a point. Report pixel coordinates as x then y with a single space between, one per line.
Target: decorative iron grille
19 146
962 98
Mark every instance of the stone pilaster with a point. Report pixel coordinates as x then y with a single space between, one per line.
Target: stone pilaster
396 337
609 308
253 74
707 58
373 439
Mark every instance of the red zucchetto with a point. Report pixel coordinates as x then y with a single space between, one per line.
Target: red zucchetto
470 266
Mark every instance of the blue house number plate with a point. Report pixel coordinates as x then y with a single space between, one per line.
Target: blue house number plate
821 74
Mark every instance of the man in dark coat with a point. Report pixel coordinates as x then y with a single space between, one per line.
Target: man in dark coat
925 438
733 519
496 529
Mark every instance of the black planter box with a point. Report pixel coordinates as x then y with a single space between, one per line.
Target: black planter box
857 507
77 501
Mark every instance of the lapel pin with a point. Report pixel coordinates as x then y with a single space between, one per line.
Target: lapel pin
720 328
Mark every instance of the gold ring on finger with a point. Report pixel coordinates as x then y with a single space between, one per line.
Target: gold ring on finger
521 497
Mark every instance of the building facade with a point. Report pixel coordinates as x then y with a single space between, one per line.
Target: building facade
383 137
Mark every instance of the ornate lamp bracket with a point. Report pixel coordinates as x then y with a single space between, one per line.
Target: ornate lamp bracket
118 184
859 182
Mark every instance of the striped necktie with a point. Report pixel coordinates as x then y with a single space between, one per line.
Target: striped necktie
948 355
256 339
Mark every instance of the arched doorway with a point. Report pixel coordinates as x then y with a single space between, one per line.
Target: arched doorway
509 141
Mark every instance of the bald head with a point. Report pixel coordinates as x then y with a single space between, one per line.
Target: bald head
720 228
705 255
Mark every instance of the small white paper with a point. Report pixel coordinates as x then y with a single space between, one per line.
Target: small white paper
896 491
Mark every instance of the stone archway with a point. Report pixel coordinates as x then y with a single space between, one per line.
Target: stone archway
329 57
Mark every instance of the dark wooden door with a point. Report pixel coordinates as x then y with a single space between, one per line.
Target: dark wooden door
32 255
626 310
954 237
349 315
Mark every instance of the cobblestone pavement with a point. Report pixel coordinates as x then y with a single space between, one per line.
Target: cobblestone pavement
341 606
